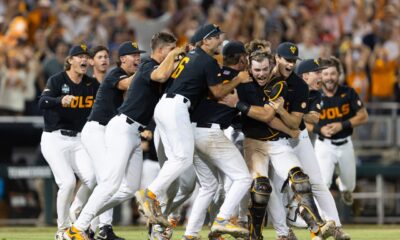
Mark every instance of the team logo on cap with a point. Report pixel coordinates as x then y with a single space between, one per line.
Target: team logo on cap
84 47
134 45
316 61
293 49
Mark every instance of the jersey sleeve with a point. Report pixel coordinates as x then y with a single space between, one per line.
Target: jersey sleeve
355 101
213 73
315 100
116 77
51 95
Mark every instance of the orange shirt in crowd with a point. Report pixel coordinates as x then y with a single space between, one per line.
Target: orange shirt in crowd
383 77
359 81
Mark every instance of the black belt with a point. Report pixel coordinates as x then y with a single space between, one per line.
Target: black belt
130 121
208 125
336 143
69 133
101 123
173 95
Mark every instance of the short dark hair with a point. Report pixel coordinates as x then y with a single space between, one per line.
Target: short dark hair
93 51
160 39
332 62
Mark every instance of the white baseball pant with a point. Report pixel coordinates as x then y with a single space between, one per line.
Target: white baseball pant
66 156
121 171
173 122
329 155
216 151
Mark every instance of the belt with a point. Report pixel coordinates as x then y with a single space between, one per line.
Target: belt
209 125
101 123
69 133
130 121
173 95
336 143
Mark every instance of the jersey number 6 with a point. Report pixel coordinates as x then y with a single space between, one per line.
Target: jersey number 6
180 67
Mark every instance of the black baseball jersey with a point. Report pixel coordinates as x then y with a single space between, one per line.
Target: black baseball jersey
74 116
253 94
194 74
338 108
143 94
210 111
314 105
297 96
109 97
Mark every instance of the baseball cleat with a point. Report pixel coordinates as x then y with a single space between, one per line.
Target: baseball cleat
74 234
107 233
189 237
222 226
291 235
347 197
327 229
339 234
60 234
158 232
151 207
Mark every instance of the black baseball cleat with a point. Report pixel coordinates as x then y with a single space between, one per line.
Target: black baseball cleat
107 233
90 234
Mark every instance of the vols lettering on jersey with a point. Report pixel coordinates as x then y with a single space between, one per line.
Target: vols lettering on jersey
81 102
74 116
335 112
338 108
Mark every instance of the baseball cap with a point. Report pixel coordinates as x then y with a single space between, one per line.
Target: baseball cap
233 47
128 47
205 31
308 65
288 51
78 49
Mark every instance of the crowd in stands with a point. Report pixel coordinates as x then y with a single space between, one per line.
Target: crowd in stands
35 36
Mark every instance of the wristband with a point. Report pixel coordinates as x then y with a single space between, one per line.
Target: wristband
346 124
243 107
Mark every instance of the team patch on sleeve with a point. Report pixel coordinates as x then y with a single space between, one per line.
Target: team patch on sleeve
303 105
123 76
359 103
46 90
318 106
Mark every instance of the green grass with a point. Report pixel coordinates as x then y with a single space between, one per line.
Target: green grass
358 232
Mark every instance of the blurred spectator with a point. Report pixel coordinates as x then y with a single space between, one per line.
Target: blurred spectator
383 74
13 83
355 59
145 24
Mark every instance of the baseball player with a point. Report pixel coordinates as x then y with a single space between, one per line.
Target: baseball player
67 101
290 171
215 152
342 110
100 61
195 75
123 157
310 71
257 131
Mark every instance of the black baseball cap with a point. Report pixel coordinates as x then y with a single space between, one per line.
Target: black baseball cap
205 31
128 47
308 65
78 49
288 51
233 47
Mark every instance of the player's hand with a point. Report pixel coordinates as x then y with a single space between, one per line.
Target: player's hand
179 51
294 133
244 77
335 127
147 134
326 131
66 100
277 104
230 100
